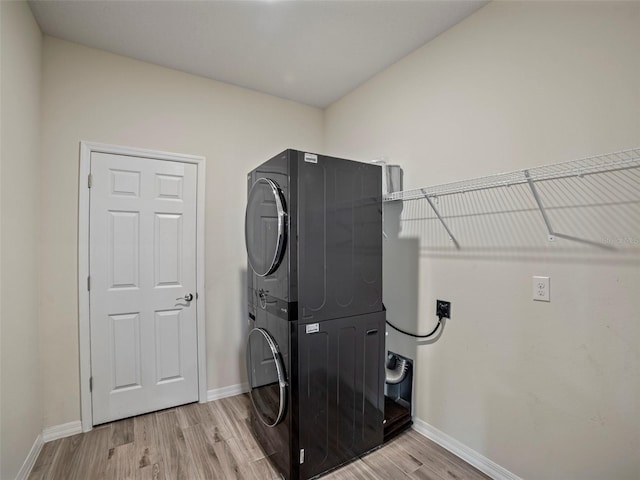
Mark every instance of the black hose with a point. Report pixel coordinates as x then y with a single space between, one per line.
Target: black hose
416 335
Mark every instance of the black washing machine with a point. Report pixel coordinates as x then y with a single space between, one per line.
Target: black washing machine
317 390
315 351
313 232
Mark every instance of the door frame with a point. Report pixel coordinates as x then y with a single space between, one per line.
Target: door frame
84 330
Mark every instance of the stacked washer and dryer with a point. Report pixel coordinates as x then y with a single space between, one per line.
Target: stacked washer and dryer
315 350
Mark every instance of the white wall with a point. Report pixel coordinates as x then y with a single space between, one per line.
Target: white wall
95 96
547 391
21 402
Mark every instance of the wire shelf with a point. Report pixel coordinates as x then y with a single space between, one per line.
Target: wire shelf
594 202
575 168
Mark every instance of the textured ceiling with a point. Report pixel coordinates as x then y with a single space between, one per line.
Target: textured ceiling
312 52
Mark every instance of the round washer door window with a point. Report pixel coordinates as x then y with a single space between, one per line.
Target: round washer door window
267 382
265 227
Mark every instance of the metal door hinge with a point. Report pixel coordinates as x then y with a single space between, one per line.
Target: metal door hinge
90 181
301 456
88 283
91 384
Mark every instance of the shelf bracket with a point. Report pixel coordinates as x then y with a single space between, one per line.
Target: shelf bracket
551 236
435 210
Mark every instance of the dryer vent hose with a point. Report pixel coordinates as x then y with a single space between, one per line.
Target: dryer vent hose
398 373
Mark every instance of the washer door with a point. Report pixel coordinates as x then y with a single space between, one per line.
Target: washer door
265 227
267 382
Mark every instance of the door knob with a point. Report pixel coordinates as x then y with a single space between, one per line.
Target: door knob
188 297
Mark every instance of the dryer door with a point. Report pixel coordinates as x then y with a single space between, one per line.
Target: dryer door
267 382
265 227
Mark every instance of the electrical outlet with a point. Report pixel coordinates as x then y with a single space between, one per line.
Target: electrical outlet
443 309
541 289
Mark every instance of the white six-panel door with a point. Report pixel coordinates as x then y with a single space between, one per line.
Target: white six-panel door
142 266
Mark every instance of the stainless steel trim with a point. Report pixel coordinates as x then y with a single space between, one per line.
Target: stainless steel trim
282 216
282 383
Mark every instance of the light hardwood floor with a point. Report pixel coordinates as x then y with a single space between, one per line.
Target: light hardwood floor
213 441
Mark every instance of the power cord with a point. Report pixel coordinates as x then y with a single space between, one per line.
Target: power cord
414 334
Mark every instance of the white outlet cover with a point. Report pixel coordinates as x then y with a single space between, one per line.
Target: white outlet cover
542 289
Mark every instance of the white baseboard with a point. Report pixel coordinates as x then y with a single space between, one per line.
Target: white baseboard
30 461
224 392
67 429
61 431
467 454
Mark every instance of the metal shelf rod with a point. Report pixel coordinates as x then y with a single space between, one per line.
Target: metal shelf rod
536 197
444 224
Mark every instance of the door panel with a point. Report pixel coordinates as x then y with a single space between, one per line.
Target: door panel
124 342
141 260
125 183
124 247
169 187
168 249
168 346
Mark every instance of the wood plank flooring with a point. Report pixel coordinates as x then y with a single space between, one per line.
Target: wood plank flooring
213 441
